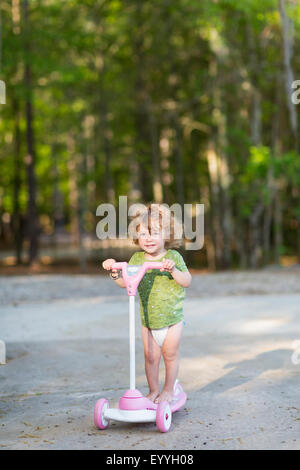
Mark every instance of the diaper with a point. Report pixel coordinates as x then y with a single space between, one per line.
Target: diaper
159 335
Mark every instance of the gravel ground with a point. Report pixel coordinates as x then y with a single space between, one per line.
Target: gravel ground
36 288
67 346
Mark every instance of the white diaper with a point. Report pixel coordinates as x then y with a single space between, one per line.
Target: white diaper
159 335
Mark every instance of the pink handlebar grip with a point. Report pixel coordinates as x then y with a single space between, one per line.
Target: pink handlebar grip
153 265
118 265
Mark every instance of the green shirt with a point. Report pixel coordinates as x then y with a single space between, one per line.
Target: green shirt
161 298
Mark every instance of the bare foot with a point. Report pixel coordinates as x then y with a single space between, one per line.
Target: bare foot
152 395
164 396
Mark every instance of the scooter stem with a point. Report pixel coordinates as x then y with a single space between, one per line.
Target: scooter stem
132 340
132 283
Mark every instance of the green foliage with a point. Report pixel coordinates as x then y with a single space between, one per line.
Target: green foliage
112 79
257 166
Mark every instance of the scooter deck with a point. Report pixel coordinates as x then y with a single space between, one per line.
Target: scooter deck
146 409
143 415
175 405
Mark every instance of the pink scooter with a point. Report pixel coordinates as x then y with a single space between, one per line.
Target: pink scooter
133 406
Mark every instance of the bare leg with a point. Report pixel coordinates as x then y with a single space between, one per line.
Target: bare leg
152 354
170 351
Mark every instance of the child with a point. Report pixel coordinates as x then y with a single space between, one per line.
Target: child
161 294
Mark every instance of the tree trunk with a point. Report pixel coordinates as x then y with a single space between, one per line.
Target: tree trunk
255 234
177 151
272 206
256 140
287 38
17 220
141 115
219 122
155 154
58 215
32 220
105 132
267 223
224 181
73 190
215 216
194 183
241 244
210 245
277 228
77 170
82 210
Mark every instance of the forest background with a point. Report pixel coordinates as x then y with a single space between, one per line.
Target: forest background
174 101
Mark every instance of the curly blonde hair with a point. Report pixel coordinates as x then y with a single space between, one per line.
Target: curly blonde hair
153 215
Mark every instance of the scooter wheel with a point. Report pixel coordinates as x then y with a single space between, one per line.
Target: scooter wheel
163 416
99 420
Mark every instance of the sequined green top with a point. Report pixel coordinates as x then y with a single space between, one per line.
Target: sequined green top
161 298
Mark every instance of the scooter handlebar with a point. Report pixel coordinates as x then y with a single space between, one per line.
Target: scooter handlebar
118 265
153 265
147 265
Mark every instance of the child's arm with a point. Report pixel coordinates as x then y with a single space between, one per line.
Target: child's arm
184 279
107 264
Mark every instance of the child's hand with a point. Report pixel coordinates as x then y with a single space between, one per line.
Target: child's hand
168 265
107 264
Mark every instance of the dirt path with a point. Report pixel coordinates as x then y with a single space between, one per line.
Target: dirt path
67 346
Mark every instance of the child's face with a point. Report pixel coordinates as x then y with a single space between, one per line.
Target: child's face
151 243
